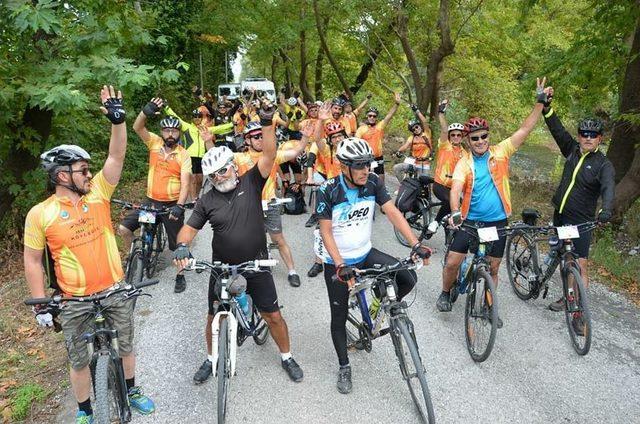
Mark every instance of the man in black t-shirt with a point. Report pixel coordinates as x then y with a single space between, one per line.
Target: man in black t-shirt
233 208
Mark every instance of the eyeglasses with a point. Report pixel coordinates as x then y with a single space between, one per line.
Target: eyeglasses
479 137
171 130
456 135
372 116
255 136
588 134
83 171
360 165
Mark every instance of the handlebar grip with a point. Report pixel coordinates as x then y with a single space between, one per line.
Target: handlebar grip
119 202
267 262
38 301
146 283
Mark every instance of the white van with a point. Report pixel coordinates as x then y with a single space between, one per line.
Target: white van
261 85
232 91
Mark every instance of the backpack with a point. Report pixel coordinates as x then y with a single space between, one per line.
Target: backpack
408 194
297 205
47 263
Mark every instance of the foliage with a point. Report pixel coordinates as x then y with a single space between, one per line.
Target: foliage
24 397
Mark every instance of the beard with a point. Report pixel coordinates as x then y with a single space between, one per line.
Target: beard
170 142
226 185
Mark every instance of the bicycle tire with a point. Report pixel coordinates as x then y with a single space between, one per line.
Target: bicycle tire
154 253
483 309
578 305
135 267
412 368
261 333
223 370
521 259
109 402
417 221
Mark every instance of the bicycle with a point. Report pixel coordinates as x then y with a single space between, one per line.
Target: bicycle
474 280
523 262
400 327
422 214
147 247
107 373
230 326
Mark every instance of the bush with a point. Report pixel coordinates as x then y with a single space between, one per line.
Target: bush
23 398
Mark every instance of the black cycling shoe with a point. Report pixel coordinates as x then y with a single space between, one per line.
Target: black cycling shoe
558 305
293 369
294 280
344 384
315 269
444 302
499 322
203 373
181 284
313 220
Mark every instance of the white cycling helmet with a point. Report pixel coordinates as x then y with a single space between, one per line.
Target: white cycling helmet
353 150
291 101
64 154
215 159
455 127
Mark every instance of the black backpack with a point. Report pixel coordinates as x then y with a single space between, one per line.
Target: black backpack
408 194
297 205
47 263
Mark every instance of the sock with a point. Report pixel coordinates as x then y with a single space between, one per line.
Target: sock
292 272
86 406
210 358
130 383
285 356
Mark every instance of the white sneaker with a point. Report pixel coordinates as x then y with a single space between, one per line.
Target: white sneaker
433 226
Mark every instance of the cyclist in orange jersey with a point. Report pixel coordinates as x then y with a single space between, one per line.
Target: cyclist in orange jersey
74 224
351 114
419 146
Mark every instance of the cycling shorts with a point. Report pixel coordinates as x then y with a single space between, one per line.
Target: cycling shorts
260 286
196 165
462 240
580 245
295 167
172 227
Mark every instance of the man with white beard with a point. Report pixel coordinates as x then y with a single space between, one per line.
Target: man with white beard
233 208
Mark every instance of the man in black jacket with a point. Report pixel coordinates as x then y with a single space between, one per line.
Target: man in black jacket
587 175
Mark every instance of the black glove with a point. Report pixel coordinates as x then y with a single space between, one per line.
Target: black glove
296 94
369 96
243 116
196 91
420 250
541 97
299 114
414 108
283 90
115 112
290 115
150 109
604 216
266 113
176 211
345 273
182 252
442 107
302 158
398 154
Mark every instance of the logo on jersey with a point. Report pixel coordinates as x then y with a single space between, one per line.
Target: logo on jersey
64 215
85 208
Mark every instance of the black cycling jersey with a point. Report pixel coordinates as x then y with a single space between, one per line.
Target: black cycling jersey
584 177
236 218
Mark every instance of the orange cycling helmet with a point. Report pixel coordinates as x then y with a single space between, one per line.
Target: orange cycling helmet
476 124
334 127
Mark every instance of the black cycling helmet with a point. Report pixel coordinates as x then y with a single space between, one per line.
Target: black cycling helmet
413 123
373 109
170 122
591 124
338 101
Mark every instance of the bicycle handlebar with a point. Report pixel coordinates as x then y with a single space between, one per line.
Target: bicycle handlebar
133 206
249 265
279 201
91 298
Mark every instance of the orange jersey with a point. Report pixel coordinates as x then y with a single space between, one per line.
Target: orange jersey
420 148
353 123
343 120
326 162
80 238
499 156
448 157
163 180
373 135
247 160
308 123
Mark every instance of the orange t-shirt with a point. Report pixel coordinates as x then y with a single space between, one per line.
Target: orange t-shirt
163 180
446 160
326 162
373 135
353 123
247 160
420 148
80 238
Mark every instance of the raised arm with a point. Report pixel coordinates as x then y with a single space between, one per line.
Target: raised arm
442 119
361 106
324 113
150 109
393 110
268 157
113 110
518 137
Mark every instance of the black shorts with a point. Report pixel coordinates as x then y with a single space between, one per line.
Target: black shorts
462 240
260 287
295 166
294 135
172 227
379 170
196 165
580 245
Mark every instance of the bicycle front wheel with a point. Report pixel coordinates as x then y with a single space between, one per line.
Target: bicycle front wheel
481 316
135 267
154 250
412 368
521 264
110 402
577 315
417 221
223 370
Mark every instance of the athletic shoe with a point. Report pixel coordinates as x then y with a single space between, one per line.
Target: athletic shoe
578 325
83 418
181 284
294 280
203 373
315 269
499 322
431 229
344 384
312 221
293 369
140 402
557 306
444 302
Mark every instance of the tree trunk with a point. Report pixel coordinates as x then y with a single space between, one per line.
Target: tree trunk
626 136
372 56
288 84
274 70
318 76
304 86
628 189
325 47
402 33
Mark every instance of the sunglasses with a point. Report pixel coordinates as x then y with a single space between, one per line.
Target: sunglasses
456 135
479 137
588 134
255 136
360 165
220 172
83 171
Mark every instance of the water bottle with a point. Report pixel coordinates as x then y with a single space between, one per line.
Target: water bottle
464 268
243 301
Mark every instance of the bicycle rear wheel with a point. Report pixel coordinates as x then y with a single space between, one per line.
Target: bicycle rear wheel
411 366
417 221
521 264
481 316
577 315
223 370
135 267
110 397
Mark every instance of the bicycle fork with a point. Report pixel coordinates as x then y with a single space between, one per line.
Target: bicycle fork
231 339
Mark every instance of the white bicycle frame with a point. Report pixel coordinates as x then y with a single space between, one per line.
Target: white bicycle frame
232 330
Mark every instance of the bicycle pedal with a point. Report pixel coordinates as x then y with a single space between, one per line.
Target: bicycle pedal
384 332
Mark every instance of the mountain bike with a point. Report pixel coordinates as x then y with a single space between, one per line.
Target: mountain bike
109 385
230 326
362 328
147 247
422 214
529 275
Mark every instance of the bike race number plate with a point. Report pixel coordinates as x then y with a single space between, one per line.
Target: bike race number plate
488 234
147 217
568 232
410 161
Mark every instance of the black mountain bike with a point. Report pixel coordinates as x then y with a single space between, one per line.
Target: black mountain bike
422 214
364 328
529 275
109 386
